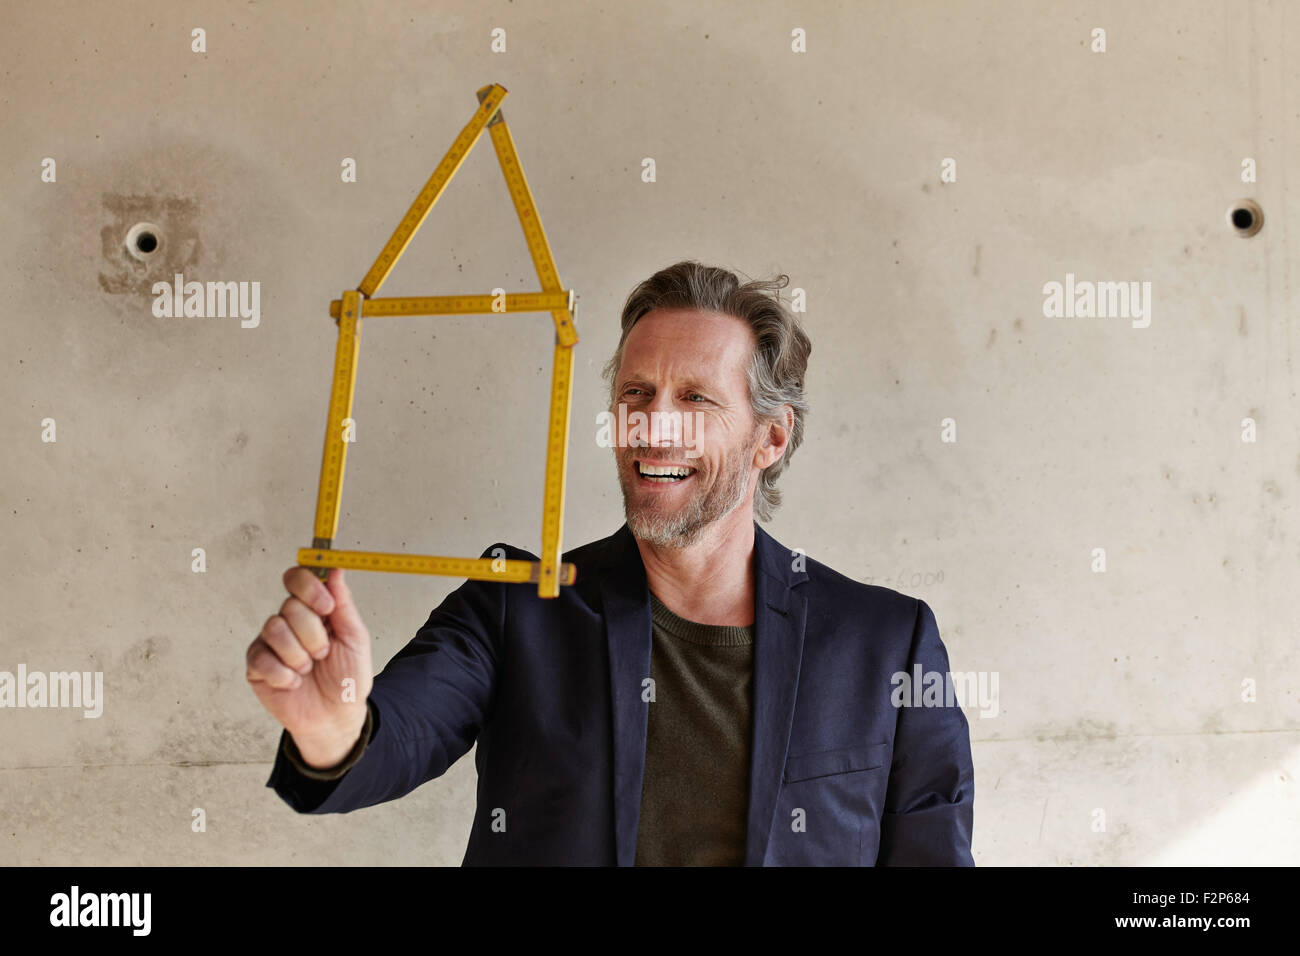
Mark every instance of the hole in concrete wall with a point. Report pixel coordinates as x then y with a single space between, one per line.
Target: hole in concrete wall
143 240
1245 217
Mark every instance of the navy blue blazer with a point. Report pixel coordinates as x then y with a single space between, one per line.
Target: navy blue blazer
551 690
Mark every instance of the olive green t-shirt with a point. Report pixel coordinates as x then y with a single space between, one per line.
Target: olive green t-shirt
695 793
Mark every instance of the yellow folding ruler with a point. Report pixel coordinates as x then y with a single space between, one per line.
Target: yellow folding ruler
549 573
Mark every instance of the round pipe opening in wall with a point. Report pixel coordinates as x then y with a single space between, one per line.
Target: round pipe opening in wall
1245 217
144 240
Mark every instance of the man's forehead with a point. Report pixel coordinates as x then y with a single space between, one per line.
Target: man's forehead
702 321
687 341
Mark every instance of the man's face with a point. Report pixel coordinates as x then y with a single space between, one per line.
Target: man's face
686 370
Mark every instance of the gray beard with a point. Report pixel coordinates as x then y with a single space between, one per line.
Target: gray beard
687 526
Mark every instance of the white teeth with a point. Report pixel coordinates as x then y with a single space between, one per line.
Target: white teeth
666 472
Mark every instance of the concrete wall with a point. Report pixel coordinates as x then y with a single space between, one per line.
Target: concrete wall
1119 691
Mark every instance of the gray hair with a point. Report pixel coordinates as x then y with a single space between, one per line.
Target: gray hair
776 371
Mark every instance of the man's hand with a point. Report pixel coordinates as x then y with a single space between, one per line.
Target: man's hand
298 664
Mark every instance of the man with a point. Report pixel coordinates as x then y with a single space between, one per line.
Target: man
701 695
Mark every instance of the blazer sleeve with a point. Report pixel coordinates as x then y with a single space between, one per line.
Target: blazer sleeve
426 706
929 803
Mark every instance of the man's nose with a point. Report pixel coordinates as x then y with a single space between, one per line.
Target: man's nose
665 422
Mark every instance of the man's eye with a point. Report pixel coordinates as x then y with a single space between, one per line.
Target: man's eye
695 395
630 390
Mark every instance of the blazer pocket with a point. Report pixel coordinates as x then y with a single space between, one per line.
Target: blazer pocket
842 760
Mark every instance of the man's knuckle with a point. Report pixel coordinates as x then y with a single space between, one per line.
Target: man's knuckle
278 628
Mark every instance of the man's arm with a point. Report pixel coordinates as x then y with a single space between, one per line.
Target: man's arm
929 804
425 709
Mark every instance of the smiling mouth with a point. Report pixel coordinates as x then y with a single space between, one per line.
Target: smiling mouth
662 474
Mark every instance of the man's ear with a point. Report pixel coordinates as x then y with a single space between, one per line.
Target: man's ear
775 438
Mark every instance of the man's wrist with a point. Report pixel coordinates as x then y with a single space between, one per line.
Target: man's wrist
327 753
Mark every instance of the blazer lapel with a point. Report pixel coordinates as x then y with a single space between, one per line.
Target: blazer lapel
779 616
625 598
